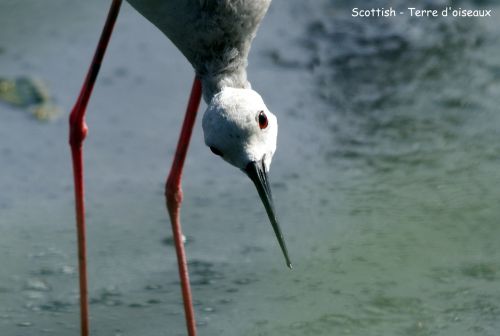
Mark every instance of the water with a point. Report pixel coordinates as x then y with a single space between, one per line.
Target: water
385 179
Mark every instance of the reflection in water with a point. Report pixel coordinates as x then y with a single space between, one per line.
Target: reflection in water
402 91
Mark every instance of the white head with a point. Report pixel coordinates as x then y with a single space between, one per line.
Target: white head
239 128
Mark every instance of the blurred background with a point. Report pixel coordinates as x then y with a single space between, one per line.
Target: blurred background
385 178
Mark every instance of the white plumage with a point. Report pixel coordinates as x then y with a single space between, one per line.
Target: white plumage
215 36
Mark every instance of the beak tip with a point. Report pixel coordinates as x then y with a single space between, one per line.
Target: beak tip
289 265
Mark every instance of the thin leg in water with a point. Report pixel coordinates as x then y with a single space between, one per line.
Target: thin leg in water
173 195
77 134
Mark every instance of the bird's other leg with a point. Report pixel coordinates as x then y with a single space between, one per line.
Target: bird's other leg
77 134
173 194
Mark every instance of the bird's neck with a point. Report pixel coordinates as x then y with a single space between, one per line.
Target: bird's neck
216 76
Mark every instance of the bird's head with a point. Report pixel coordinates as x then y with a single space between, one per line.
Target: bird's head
241 130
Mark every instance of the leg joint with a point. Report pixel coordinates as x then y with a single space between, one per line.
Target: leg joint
173 192
77 130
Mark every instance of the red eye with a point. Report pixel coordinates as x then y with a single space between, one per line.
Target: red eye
262 120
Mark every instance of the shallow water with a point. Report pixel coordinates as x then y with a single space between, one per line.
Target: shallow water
385 179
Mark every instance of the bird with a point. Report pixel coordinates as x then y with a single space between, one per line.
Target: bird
215 37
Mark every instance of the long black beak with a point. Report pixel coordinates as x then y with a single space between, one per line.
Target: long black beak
257 173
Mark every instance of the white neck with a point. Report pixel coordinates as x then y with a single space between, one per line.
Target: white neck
219 73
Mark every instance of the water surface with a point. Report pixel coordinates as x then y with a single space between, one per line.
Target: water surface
386 179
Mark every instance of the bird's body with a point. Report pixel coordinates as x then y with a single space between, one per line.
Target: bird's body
214 35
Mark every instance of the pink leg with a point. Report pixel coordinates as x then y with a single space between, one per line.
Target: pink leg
77 133
173 195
